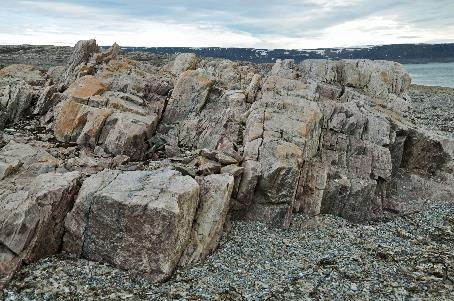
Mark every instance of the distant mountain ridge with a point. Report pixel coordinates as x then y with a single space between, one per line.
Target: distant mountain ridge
44 57
403 53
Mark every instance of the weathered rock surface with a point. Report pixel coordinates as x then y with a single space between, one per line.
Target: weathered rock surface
120 123
34 201
215 193
19 86
78 63
281 133
139 220
184 62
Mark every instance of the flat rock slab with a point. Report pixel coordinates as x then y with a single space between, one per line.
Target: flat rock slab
137 220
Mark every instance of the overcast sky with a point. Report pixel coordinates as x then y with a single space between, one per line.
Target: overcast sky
228 23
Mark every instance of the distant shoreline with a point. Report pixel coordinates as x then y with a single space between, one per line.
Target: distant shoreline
433 89
402 53
44 57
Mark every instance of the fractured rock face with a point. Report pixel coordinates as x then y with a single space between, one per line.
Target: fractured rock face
312 184
83 52
19 85
189 95
376 78
139 221
282 131
15 98
33 218
118 122
215 193
127 134
34 200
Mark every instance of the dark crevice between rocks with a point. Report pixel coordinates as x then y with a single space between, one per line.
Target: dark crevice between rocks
72 202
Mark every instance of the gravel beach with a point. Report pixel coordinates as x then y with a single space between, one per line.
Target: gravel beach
432 108
409 257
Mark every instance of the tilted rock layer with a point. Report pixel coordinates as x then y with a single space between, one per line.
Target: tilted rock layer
167 153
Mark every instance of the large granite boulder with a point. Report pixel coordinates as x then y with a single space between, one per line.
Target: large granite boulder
139 220
148 222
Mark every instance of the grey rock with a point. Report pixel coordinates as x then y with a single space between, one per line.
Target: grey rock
215 193
184 62
15 99
189 95
249 180
253 88
127 134
82 53
34 200
140 220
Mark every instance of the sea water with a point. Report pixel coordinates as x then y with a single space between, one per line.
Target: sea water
432 74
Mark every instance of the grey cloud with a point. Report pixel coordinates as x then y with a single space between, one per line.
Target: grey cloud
285 18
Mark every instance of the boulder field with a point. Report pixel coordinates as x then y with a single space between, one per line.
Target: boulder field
142 165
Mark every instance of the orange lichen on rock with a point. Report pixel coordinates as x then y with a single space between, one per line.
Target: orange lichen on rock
73 116
85 87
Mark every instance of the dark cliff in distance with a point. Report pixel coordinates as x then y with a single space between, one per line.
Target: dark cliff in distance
44 57
403 53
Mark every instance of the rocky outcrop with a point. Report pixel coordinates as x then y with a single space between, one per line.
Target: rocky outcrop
144 221
34 201
172 150
19 86
79 62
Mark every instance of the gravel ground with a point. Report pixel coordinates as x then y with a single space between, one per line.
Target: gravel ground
433 108
407 257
